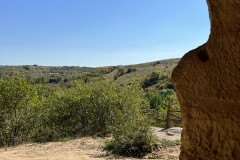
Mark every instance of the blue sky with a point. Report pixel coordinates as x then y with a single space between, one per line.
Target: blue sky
99 32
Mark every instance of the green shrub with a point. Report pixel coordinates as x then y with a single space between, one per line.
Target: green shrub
40 113
18 101
131 132
87 109
120 73
153 79
160 100
130 70
135 144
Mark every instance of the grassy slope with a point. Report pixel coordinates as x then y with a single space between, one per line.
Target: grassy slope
142 71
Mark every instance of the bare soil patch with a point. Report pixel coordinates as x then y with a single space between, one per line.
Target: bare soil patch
86 148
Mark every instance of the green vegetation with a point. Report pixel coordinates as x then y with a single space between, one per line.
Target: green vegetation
39 113
43 104
166 143
132 135
119 73
18 102
133 141
130 70
36 70
161 98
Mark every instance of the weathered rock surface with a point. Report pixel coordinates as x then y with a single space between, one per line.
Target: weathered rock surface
207 81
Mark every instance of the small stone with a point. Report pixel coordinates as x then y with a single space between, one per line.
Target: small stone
170 134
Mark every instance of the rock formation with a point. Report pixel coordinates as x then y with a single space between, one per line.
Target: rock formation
207 81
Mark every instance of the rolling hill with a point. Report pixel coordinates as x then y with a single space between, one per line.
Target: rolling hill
152 75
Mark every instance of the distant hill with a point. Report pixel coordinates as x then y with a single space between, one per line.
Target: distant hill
151 76
141 71
39 71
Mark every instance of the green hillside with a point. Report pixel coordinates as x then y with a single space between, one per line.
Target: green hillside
119 75
38 71
141 72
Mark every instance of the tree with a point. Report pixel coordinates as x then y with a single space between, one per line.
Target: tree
153 79
17 101
119 73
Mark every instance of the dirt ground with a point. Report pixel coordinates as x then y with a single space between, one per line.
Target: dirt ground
86 148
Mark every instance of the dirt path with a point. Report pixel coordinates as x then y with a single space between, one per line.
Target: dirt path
83 149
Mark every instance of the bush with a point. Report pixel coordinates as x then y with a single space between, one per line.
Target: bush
160 100
135 144
87 109
82 109
119 73
153 79
132 134
18 101
130 70
40 113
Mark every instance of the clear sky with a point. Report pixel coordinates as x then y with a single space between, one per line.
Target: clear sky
99 32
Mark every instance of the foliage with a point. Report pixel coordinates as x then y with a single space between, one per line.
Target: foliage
119 73
153 79
167 143
17 110
51 103
102 71
42 113
63 75
85 108
134 143
130 70
132 135
159 78
159 99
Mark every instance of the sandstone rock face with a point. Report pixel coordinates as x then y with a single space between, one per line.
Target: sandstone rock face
207 81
